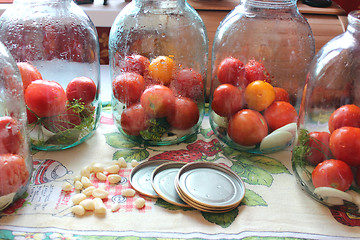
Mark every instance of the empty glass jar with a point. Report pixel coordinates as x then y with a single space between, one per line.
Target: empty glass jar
326 156
261 54
158 57
15 157
56 48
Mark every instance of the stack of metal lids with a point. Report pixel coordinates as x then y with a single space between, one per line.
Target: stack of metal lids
206 186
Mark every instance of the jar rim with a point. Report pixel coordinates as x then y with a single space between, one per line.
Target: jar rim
271 3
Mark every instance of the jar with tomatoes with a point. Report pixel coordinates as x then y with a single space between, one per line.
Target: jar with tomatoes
158 59
56 48
261 54
326 156
15 157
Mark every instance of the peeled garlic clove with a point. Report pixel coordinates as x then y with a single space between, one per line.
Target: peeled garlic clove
328 192
276 139
219 120
291 128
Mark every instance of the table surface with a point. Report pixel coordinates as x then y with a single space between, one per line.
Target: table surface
274 206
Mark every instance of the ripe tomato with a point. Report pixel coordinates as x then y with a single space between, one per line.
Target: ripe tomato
346 115
188 83
345 145
45 98
232 71
319 147
279 114
28 73
134 120
162 69
158 101
31 117
128 87
332 173
255 70
82 89
10 136
185 115
135 63
247 127
66 120
259 95
13 173
281 94
227 100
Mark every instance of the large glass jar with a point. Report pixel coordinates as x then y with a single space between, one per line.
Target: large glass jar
158 58
56 48
15 158
261 54
326 156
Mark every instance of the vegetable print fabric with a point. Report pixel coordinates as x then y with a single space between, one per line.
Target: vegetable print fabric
274 206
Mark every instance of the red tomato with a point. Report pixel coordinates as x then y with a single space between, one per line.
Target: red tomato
134 120
227 100
10 136
346 115
256 71
345 145
67 120
188 83
281 94
135 63
28 73
82 89
319 147
332 173
31 117
232 71
128 87
185 115
158 101
279 114
45 98
13 173
247 127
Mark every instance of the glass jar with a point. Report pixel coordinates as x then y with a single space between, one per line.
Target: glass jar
261 54
56 48
326 154
15 157
158 59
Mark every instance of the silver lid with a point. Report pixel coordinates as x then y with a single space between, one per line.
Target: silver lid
163 182
140 177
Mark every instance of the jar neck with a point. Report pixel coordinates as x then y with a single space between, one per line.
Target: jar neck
160 4
270 4
354 22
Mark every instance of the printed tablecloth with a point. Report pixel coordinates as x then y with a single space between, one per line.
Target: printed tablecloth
274 206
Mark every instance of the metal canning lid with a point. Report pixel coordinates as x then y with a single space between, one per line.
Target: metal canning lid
163 182
140 177
210 185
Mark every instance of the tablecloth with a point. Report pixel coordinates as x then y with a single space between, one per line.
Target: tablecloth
274 206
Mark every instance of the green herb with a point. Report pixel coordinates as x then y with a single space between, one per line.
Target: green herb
157 127
301 150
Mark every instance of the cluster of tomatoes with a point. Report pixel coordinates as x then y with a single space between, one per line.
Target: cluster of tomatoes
157 90
336 152
46 100
246 98
13 171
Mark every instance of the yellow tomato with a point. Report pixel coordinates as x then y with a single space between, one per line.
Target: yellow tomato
259 95
161 69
